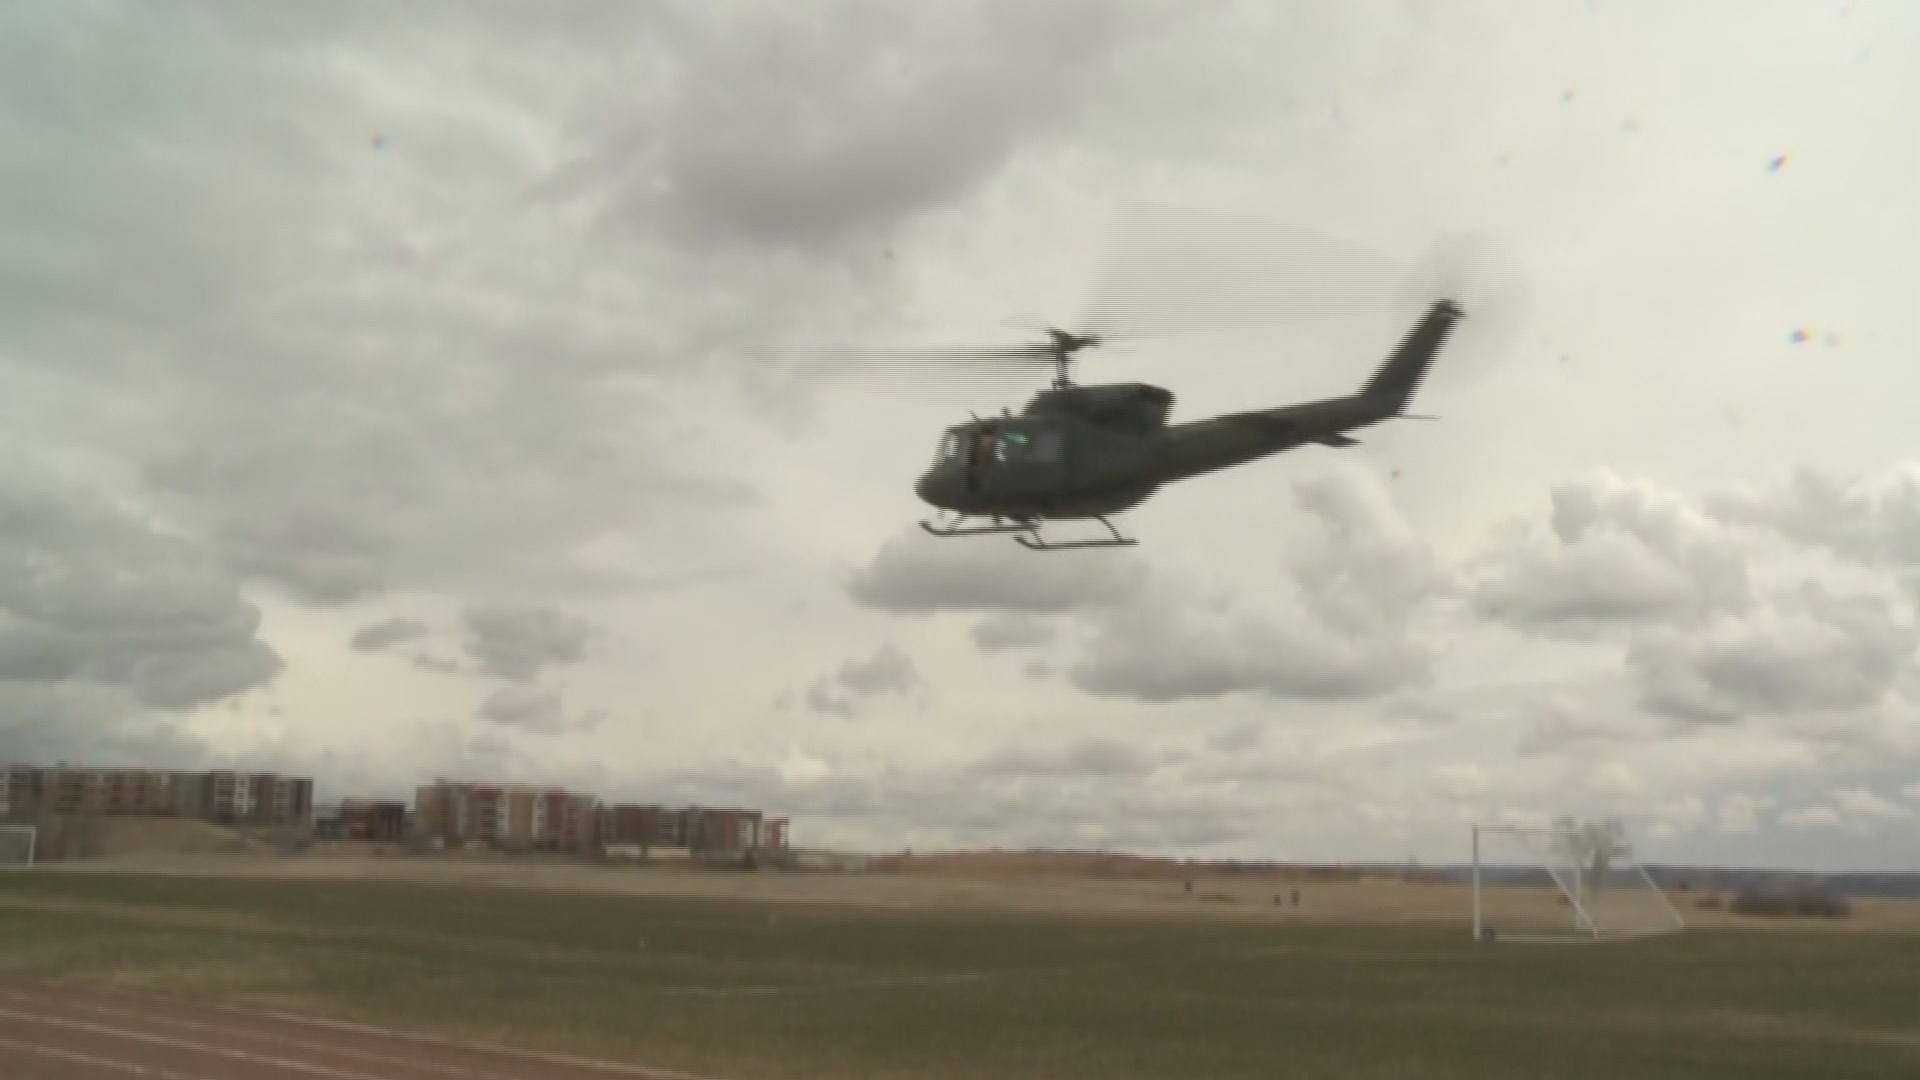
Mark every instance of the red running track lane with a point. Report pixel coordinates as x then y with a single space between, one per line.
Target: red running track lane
63 1034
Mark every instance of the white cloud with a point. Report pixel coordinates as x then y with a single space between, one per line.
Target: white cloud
1808 652
1349 625
1865 803
1566 726
1873 518
1615 779
1615 551
1678 817
1459 778
1740 813
914 572
1810 817
889 671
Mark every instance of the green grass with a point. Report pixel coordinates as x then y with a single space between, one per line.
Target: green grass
747 990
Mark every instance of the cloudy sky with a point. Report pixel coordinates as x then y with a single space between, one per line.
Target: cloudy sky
379 398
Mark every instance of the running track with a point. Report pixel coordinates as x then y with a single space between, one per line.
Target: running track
57 1034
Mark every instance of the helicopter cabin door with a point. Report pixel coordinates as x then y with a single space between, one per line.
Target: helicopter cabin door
979 455
1021 460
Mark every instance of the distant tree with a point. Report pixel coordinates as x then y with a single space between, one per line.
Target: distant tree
1593 846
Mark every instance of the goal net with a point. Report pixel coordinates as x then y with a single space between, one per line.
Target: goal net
16 846
1571 881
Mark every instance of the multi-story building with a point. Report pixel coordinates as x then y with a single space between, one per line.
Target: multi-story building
508 815
716 830
258 799
776 834
445 812
150 792
641 826
371 821
19 790
189 794
702 829
225 797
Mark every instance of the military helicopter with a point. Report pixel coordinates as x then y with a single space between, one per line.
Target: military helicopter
1079 452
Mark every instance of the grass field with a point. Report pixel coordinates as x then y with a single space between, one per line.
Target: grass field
753 989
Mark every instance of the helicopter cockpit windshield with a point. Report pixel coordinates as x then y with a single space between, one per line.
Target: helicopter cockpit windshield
949 448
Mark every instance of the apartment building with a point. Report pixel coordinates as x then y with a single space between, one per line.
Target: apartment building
507 815
264 799
373 821
236 798
700 829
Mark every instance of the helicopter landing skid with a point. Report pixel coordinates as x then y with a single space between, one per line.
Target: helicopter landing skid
1035 542
956 529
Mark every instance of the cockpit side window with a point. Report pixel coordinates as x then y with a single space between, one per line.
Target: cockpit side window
949 449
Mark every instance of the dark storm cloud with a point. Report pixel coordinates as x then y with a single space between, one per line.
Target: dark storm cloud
1615 553
914 572
1093 759
316 390
1235 738
389 632
48 723
812 124
92 594
515 641
1012 631
1348 630
887 671
448 405
536 709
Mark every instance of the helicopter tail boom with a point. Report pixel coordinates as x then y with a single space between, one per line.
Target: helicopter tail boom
1394 383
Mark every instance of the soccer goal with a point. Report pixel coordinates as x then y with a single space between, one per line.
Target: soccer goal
16 846
1571 881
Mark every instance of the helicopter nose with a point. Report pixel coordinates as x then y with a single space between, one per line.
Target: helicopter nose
924 488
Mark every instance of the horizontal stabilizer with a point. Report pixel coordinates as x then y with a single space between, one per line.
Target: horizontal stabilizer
1336 440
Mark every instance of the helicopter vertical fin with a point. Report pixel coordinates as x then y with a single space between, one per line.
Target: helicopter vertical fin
1394 384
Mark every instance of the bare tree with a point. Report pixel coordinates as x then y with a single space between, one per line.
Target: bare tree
1593 846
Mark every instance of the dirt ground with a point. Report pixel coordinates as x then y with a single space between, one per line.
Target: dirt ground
1373 901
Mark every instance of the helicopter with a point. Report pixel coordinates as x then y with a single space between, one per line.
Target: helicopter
1089 452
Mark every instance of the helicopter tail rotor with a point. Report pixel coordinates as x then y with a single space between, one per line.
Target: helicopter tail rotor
1480 276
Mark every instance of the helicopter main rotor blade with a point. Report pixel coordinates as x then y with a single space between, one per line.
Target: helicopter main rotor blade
977 374
1178 271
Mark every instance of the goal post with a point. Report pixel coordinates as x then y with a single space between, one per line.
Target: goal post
1571 881
17 845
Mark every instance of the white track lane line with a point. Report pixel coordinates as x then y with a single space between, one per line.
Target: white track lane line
190 1047
281 1040
77 1058
543 1057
